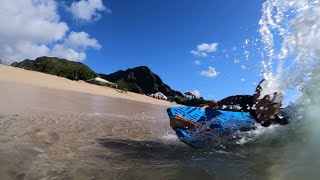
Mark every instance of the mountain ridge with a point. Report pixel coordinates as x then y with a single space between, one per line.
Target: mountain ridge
56 66
138 79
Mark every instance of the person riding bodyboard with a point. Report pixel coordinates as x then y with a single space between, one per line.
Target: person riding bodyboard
264 109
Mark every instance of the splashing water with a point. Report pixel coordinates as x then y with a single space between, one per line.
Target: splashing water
290 33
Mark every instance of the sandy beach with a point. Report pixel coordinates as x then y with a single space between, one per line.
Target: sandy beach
59 121
21 76
55 128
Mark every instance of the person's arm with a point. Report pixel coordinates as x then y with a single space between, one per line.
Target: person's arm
234 103
182 123
233 100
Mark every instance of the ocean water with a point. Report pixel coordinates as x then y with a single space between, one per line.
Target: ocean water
290 31
54 134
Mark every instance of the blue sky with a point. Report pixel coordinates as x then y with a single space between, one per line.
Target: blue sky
123 34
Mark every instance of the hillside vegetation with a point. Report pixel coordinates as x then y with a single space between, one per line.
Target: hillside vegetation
140 80
60 67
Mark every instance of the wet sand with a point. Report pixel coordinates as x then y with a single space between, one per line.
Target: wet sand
51 133
55 128
48 133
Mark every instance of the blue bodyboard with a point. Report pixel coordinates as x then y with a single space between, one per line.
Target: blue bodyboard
221 122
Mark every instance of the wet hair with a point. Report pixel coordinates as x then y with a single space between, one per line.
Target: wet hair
259 88
256 95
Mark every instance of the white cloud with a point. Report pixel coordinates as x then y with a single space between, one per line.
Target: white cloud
73 46
200 54
81 40
87 10
21 50
62 51
210 73
26 26
31 21
204 48
197 62
196 93
32 28
207 47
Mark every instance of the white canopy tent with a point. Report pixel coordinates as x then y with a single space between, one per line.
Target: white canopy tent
98 80
159 95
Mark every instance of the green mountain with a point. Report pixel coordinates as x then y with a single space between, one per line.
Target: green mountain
140 80
60 67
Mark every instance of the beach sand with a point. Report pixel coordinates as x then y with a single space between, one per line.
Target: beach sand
21 76
55 128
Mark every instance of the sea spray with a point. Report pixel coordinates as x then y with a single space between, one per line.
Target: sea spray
290 33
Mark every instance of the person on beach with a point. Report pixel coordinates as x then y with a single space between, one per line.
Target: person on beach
263 110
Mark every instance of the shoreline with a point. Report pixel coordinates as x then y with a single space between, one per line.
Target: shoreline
22 76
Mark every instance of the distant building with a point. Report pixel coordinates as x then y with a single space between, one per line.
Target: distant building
189 95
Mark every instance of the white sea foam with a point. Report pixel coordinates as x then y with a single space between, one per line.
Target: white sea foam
248 136
170 137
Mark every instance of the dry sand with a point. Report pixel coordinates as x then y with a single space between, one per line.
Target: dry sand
21 76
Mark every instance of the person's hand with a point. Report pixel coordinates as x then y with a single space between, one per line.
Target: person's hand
203 106
213 104
266 109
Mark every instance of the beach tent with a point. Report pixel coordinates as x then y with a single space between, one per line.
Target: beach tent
159 95
100 81
190 95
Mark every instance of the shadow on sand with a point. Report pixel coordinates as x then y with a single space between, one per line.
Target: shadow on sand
158 151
